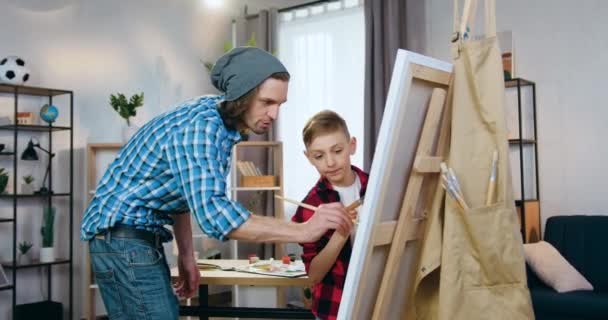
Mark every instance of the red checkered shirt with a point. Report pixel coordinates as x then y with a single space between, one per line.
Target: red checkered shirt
326 294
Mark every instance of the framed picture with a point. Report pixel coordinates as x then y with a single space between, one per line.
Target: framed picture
3 278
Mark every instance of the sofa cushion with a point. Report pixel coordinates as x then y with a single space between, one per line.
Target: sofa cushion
582 241
578 304
553 269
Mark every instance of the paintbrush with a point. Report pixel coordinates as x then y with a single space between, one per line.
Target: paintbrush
450 183
303 205
357 203
492 182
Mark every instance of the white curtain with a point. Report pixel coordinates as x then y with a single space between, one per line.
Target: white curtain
323 47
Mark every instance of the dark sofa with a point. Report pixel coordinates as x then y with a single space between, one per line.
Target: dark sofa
583 241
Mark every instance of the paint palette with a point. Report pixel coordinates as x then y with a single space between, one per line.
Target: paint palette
275 268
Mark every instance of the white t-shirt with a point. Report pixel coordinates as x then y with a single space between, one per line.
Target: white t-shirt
349 195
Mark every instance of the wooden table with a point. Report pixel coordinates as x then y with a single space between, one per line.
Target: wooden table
230 278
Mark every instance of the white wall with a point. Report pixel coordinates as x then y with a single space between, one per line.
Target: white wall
96 48
561 45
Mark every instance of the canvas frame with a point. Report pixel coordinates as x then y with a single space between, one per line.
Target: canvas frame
413 80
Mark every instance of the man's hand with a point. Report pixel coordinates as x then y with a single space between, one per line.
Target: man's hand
328 216
188 277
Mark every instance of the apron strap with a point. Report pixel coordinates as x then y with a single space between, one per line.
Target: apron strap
490 18
468 18
456 17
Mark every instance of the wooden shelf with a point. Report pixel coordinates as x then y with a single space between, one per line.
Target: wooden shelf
46 195
105 146
258 144
532 232
523 141
92 150
519 202
513 82
255 188
273 158
3 220
32 91
33 127
34 264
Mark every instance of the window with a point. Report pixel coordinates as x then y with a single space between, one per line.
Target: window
323 47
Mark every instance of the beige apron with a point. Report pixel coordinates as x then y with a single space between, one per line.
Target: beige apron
471 263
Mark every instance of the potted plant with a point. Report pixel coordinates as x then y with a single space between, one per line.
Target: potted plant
127 109
27 186
24 247
3 180
47 252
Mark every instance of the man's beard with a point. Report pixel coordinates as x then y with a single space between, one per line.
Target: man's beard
259 131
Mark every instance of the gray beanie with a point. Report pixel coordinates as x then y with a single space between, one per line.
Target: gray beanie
242 69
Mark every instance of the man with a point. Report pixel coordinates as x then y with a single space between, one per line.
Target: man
178 163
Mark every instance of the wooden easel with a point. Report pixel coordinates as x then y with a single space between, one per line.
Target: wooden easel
420 193
423 180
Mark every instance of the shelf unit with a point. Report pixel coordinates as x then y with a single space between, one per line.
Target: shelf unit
17 92
525 143
93 149
275 168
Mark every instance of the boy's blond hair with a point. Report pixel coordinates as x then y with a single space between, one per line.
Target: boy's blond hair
324 122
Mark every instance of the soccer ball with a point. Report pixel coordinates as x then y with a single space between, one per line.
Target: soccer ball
13 71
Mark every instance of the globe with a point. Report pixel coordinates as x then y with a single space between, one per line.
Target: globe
49 113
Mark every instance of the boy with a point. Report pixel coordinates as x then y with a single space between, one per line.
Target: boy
328 148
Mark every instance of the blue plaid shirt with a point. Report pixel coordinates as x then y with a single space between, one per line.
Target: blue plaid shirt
176 163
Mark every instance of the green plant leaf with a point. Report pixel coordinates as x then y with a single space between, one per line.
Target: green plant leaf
28 179
126 109
24 247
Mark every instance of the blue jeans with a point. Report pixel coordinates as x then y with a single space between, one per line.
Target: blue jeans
133 279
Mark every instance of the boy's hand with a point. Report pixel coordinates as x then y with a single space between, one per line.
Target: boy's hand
329 216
